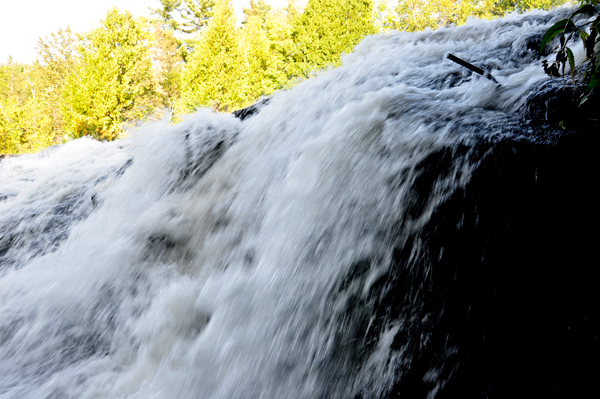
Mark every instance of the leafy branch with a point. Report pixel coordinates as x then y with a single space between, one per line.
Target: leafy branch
567 32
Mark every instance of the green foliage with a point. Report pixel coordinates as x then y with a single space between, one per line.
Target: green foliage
568 32
26 119
112 80
503 6
216 72
97 82
415 15
165 14
266 67
167 59
258 9
57 54
293 9
386 18
194 13
328 28
558 28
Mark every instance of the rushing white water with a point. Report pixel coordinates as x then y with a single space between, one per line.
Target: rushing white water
217 258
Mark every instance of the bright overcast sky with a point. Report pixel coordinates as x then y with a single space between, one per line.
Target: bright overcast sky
21 24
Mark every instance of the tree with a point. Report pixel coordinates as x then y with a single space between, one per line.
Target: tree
56 57
12 96
194 13
167 60
258 9
416 15
265 66
501 7
165 14
328 28
386 18
216 72
112 80
293 9
25 123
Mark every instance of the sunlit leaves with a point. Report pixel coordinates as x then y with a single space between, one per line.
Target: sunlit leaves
416 15
215 75
27 123
328 28
187 16
112 82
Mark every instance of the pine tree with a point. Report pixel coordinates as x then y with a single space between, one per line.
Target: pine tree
328 28
112 82
279 27
167 60
265 66
165 14
196 14
215 75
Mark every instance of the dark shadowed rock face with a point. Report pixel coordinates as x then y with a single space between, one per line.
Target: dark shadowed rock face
253 109
557 102
506 295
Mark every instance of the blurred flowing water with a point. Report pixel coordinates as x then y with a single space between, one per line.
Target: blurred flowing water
281 256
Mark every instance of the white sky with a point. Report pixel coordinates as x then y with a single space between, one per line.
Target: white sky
21 26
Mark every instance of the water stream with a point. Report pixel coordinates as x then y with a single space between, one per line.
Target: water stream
221 258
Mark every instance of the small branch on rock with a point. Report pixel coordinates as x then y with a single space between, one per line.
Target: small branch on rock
473 68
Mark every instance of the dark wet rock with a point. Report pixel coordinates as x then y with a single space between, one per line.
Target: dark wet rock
247 112
496 297
557 103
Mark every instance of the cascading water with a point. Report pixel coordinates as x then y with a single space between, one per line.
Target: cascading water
295 254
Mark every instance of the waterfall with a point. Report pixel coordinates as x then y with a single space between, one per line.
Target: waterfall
294 254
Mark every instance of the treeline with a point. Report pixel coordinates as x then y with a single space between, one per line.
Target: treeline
192 54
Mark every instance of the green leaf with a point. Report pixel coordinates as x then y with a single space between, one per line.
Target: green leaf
562 124
584 35
595 24
559 27
595 79
571 60
586 9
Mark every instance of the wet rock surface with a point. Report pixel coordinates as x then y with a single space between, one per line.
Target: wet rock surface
506 298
